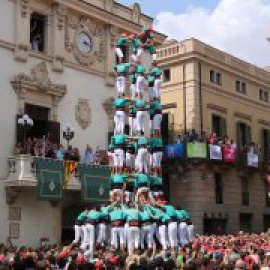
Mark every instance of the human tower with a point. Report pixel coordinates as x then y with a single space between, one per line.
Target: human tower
137 215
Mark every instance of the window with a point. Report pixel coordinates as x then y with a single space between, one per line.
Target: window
264 96
243 135
241 87
37 32
215 77
265 143
219 125
167 75
219 188
212 76
245 191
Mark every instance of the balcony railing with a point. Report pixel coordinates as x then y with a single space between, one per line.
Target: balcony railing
22 173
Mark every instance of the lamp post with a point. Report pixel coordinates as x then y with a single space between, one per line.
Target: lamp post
25 122
68 134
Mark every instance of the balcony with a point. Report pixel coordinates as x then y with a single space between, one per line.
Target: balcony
22 173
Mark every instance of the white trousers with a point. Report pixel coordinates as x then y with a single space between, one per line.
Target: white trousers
140 85
85 237
135 56
119 122
133 90
118 157
156 88
157 122
90 230
154 56
121 85
182 233
140 121
141 160
78 233
117 235
156 159
111 158
133 238
151 92
132 125
130 160
162 236
119 52
190 230
147 235
172 234
101 238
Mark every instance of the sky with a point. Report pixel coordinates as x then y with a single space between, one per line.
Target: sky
239 27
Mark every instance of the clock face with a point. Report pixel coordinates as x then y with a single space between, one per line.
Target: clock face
85 44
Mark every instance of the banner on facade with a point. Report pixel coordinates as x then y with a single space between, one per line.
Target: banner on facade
95 182
173 151
252 159
49 176
215 152
229 154
197 150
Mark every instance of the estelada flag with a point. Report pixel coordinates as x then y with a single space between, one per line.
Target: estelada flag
69 168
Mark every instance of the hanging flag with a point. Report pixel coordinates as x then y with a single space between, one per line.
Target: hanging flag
69 168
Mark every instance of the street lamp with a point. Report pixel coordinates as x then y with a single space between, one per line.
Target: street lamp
68 133
25 122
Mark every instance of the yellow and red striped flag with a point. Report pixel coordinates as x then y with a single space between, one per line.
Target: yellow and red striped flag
69 168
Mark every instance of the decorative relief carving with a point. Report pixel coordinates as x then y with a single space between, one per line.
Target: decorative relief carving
39 76
83 113
14 213
24 7
108 107
95 32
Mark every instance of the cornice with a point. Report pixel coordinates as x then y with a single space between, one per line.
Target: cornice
179 59
48 58
217 108
107 17
242 116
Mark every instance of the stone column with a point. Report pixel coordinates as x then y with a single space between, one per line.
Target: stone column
22 30
110 36
60 13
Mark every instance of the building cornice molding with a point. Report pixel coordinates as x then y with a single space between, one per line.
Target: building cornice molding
223 65
242 116
107 17
217 108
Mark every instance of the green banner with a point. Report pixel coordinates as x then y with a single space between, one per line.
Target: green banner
50 177
95 183
196 150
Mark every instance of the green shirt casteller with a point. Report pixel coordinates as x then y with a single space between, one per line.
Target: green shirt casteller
122 68
140 69
142 141
131 214
118 140
155 72
116 214
141 178
134 44
155 180
82 216
132 182
139 103
121 42
93 215
119 102
118 178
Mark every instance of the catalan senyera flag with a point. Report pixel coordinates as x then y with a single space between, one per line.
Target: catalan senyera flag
69 168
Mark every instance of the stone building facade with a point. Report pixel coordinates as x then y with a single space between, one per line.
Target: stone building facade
209 90
57 65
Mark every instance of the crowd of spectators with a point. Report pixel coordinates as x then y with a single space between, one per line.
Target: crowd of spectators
213 139
44 147
241 251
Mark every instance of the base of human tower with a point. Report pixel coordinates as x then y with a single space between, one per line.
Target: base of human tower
137 215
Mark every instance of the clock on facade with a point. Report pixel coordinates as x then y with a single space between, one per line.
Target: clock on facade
84 43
